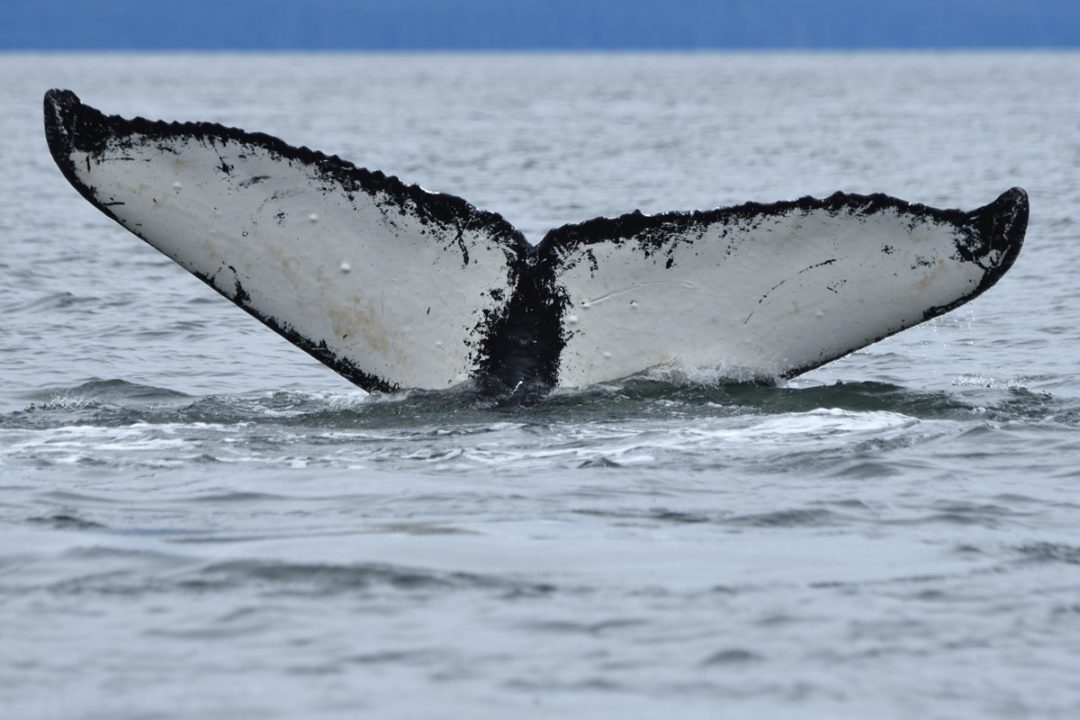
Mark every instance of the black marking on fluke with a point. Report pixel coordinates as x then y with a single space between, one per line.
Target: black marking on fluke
517 350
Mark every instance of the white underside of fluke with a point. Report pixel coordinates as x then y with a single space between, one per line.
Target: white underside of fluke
393 295
395 287
756 298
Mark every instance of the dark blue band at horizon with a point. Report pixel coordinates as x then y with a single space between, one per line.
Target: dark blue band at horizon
536 25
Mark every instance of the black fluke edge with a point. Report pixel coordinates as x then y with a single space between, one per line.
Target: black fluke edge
518 350
69 124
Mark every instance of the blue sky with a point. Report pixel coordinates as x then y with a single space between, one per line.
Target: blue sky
535 24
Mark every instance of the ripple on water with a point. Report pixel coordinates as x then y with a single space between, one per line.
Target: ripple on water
639 423
1048 552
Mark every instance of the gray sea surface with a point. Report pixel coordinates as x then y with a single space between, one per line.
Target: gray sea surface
198 520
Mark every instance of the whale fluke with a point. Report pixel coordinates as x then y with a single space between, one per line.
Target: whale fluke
396 287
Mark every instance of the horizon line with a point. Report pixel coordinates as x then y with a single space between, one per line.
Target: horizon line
543 50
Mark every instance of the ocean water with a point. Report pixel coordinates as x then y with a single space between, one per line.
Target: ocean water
198 520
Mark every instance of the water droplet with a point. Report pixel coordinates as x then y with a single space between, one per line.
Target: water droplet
345 266
572 319
313 217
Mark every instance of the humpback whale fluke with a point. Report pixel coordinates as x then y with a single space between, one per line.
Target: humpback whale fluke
396 287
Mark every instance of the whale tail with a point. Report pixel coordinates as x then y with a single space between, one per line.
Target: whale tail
393 286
